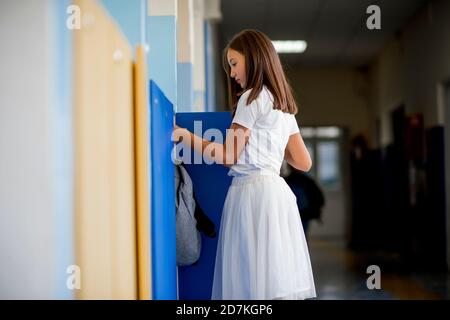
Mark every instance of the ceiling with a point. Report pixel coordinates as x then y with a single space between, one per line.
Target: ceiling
335 30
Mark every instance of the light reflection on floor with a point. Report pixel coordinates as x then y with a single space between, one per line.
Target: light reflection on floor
341 274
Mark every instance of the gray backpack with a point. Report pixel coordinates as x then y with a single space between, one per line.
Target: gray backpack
188 237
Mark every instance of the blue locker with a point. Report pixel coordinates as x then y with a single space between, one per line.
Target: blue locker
211 184
163 197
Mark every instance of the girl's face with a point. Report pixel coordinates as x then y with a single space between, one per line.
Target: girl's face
236 60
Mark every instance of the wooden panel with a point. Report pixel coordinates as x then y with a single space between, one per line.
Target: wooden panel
122 163
142 174
104 158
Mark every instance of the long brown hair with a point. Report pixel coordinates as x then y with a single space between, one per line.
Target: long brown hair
263 67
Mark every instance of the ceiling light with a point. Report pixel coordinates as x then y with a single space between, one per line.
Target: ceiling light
290 46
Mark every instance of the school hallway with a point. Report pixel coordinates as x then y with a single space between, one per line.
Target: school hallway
89 168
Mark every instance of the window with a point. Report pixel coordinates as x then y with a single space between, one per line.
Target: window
324 146
328 166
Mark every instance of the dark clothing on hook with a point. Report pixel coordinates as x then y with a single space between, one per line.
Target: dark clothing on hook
310 199
190 220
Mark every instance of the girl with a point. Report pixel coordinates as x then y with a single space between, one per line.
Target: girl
262 252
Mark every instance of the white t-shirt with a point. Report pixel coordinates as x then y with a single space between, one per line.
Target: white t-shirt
269 133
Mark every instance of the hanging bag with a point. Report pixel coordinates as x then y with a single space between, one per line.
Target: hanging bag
188 241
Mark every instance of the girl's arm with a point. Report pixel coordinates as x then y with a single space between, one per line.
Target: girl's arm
296 153
226 153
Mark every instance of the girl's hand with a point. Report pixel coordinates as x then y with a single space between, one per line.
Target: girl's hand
177 133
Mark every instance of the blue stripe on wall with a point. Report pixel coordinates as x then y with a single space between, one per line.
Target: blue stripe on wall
185 91
128 15
210 89
199 101
62 147
162 56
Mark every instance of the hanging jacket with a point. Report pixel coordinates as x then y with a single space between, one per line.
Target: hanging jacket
310 199
190 219
204 224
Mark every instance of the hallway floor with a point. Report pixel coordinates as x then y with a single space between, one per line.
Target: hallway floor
340 274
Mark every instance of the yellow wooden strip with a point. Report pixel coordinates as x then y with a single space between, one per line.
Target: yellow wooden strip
122 167
142 174
105 213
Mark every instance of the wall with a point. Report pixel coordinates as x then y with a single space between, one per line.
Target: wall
130 15
36 243
331 96
411 67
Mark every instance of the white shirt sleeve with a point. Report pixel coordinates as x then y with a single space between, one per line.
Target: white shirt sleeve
293 126
246 115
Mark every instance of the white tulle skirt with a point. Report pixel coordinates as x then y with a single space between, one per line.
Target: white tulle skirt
262 251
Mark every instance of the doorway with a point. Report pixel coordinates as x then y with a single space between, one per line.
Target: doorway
328 150
446 105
